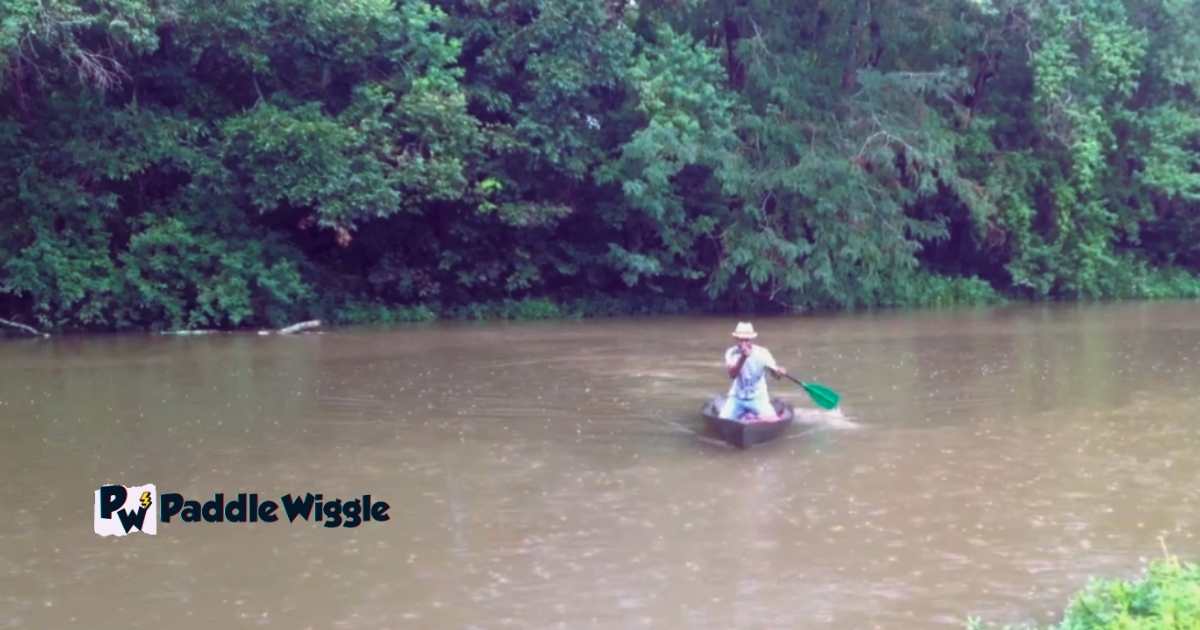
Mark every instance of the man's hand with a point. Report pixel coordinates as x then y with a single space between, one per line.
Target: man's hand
779 371
744 348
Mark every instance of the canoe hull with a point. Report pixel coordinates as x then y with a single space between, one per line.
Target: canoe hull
747 434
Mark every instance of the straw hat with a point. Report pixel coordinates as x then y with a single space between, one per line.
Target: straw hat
744 330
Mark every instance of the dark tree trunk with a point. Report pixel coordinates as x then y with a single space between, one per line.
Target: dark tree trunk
854 36
733 66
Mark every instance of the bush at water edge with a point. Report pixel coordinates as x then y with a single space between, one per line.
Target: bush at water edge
1166 597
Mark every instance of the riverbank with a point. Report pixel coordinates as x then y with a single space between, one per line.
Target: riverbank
924 292
921 291
1165 597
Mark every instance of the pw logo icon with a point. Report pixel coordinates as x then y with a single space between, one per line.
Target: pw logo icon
122 509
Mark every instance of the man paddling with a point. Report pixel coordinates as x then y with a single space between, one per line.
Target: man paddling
748 365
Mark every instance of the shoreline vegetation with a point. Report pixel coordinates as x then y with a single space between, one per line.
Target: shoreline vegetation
177 166
1166 596
541 309
930 293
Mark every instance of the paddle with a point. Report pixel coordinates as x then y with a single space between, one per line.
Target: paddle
824 397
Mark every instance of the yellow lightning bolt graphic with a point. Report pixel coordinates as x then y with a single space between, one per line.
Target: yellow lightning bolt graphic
145 500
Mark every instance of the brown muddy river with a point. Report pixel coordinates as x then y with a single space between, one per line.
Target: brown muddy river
553 475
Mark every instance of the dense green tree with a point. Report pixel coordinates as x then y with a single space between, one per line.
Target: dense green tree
244 162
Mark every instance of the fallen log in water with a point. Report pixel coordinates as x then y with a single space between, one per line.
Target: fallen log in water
29 329
294 328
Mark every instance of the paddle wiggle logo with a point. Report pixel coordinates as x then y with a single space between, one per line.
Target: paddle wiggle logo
121 510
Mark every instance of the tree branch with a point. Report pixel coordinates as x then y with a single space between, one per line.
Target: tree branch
28 329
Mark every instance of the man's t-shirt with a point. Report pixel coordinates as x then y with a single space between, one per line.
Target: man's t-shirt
750 383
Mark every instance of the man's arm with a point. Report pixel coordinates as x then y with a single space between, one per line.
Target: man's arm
776 370
736 368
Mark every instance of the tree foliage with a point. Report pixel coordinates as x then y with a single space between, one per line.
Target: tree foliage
240 162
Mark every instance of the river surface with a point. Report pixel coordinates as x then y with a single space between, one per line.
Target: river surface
556 475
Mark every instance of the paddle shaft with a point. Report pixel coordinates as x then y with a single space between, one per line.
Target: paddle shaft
792 379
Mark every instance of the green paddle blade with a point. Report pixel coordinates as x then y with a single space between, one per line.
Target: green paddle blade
824 397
